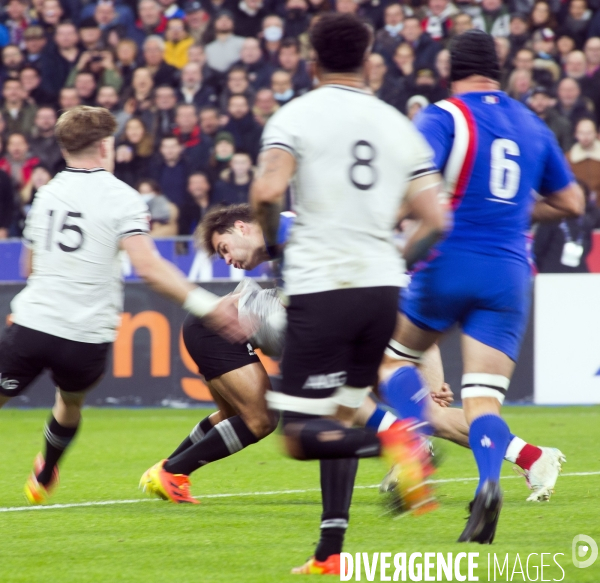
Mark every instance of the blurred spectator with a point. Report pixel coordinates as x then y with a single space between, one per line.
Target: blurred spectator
68 98
7 204
35 41
209 121
380 84
565 45
165 101
541 102
197 20
424 48
493 18
259 71
248 16
442 68
50 16
40 176
133 152
520 85
12 61
390 36
233 186
162 72
272 33
31 82
237 84
577 22
192 90
198 188
126 63
178 41
17 162
170 170
576 66
503 53
590 82
188 132
584 157
90 34
281 85
563 246
403 64
415 104
570 103
15 20
43 144
543 43
85 85
242 125
223 151
100 64
296 18
139 97
438 19
519 32
108 97
151 21
461 23
163 213
290 61
424 83
264 106
59 57
226 48
17 113
542 17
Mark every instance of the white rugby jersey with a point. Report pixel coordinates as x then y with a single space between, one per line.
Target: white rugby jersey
355 156
74 228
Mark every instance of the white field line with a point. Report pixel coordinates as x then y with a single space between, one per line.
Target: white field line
244 494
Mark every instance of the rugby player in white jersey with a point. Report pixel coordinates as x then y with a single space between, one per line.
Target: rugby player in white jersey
67 316
354 161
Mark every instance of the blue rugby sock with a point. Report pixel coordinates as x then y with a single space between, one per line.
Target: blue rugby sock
380 420
489 437
406 392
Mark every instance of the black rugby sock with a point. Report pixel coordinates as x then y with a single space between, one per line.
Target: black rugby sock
197 434
322 439
224 439
58 439
337 485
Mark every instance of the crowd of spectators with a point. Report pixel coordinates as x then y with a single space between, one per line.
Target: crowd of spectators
193 82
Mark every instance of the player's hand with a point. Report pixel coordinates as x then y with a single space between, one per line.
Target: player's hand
444 397
224 320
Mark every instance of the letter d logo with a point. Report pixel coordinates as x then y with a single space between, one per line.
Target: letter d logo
578 553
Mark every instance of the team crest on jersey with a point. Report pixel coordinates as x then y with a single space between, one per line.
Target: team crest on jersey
9 384
325 381
491 99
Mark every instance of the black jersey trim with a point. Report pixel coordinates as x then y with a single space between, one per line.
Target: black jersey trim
423 172
84 170
483 385
279 145
133 232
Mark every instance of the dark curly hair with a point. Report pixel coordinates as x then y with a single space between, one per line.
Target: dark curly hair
341 42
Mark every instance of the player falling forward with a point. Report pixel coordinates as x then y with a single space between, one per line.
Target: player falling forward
239 382
66 317
494 152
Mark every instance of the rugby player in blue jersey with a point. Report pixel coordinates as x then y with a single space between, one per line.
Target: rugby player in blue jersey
494 153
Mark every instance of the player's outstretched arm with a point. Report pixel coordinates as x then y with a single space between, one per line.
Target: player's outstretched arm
275 170
164 278
422 203
565 203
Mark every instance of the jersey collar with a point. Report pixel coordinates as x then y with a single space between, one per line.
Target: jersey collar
84 170
347 88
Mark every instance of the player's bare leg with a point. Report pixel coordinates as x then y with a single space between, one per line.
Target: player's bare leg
242 419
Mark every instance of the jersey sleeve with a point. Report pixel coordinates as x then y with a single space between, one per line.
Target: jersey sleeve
556 173
437 127
281 132
134 216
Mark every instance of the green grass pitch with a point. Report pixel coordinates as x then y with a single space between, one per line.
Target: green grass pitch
265 519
